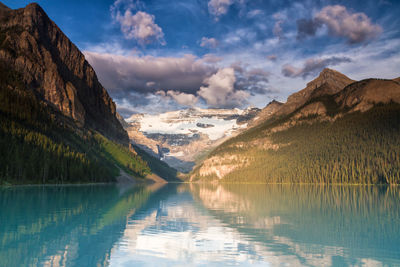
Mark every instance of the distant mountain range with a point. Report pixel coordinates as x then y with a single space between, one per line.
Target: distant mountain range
57 122
181 137
335 130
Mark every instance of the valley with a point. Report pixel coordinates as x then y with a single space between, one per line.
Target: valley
180 138
199 133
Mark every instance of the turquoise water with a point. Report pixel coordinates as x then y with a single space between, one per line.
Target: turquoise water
200 225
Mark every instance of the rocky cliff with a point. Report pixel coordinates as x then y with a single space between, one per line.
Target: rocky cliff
55 70
328 82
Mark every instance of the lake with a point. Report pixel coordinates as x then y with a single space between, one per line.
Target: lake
199 225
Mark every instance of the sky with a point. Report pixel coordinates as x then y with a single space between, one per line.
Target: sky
161 55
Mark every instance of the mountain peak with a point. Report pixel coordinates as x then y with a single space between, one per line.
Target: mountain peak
328 82
328 70
274 102
331 77
3 6
56 70
34 6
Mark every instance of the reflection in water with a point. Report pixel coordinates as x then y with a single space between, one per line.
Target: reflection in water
185 224
64 225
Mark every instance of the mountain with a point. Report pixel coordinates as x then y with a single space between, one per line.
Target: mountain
335 130
266 112
181 137
57 122
55 70
328 82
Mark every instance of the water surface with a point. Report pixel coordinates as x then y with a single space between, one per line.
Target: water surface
200 225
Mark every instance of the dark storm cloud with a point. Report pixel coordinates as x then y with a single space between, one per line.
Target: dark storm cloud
150 74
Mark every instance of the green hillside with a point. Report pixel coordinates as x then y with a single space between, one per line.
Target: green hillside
358 148
157 166
40 145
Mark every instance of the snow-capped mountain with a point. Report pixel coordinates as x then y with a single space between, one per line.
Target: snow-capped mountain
180 137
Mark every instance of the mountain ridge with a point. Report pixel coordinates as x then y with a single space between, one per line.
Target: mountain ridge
57 122
327 128
54 68
181 137
327 83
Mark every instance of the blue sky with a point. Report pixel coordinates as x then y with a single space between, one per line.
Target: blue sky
160 55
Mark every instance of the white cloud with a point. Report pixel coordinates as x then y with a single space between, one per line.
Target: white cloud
183 98
219 7
220 92
209 42
140 26
136 24
355 27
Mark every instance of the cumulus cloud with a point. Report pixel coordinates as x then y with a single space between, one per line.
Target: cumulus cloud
312 66
219 7
149 74
140 26
180 81
220 91
182 98
355 27
209 42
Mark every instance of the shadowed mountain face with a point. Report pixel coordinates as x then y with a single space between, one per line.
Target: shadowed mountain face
333 131
55 70
57 123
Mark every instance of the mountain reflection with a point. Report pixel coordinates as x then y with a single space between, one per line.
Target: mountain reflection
314 225
198 224
64 225
265 224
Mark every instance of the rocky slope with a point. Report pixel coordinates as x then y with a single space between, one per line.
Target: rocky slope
328 82
180 137
57 123
266 112
55 70
335 129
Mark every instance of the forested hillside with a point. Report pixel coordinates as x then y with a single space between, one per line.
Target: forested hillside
39 145
57 122
325 140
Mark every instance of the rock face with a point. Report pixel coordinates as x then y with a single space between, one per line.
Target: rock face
54 68
266 112
329 82
363 95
